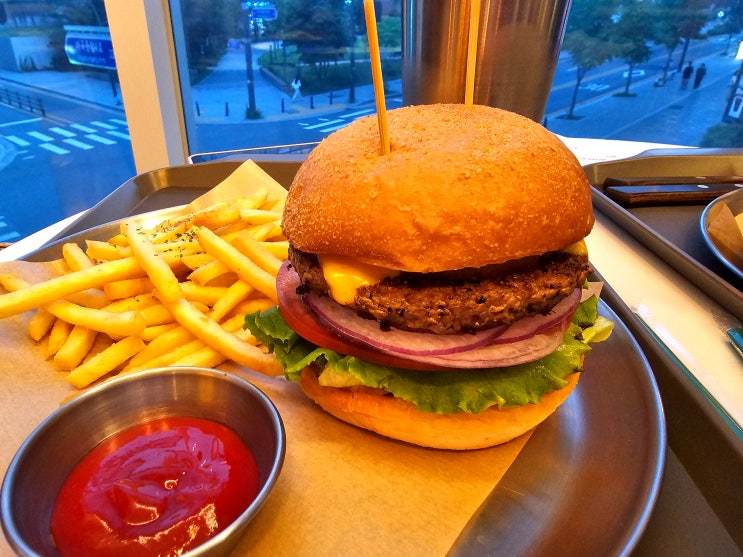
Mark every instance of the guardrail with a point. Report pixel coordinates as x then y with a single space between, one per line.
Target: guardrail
22 101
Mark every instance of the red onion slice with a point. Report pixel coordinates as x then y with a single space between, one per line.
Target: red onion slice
502 355
367 331
529 326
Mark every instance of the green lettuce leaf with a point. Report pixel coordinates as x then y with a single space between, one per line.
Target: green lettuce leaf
442 392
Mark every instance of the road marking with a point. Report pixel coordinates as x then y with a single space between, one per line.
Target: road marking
17 140
358 113
103 125
594 87
82 128
78 144
53 148
8 236
117 121
29 121
100 139
120 135
334 128
63 132
320 125
40 136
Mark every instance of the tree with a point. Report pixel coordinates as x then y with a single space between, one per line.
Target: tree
631 32
588 39
207 27
676 22
319 29
732 20
689 16
664 31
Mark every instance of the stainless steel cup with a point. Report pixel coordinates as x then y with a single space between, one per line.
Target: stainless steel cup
517 52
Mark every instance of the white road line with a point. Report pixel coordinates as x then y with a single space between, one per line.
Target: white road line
9 237
334 128
322 124
100 139
120 135
118 121
29 121
17 140
78 144
103 125
82 128
53 148
358 113
40 136
63 132
7 234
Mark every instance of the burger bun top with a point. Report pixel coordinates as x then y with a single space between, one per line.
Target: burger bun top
463 186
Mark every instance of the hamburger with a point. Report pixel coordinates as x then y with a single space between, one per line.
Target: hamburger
438 294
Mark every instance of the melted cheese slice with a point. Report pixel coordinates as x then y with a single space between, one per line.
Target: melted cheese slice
345 276
578 248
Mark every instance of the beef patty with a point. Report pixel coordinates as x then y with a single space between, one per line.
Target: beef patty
466 300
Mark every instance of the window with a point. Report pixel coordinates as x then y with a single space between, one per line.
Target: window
620 74
64 138
203 76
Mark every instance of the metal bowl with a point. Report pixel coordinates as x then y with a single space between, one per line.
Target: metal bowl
47 457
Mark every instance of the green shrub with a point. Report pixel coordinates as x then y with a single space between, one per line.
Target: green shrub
723 135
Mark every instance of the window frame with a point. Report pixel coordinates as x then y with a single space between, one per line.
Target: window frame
144 47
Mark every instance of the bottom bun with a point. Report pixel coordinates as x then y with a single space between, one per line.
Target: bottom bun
398 419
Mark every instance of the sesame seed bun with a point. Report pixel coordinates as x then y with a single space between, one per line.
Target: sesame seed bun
463 186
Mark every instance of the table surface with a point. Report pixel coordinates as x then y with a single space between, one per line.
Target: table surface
690 324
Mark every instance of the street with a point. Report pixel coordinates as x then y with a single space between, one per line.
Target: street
55 165
59 165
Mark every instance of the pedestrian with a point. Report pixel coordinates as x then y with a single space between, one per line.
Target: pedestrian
699 76
296 85
686 75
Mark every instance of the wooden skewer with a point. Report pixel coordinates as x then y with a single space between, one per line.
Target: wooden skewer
469 86
376 65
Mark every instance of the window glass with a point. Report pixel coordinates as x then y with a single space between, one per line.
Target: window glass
289 72
666 71
285 72
64 140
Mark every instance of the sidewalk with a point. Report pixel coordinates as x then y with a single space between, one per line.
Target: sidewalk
222 97
656 114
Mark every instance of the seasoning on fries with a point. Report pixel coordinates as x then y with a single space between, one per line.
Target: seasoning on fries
170 294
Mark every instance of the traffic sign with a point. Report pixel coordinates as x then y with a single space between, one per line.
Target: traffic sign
88 48
264 13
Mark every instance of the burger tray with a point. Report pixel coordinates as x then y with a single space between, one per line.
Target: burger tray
673 232
569 440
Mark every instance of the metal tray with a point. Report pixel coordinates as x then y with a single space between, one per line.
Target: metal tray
734 201
673 232
168 187
594 467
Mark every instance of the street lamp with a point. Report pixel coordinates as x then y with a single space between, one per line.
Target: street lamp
352 53
247 23
727 117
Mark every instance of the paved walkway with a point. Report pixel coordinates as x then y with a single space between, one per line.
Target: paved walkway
226 87
666 114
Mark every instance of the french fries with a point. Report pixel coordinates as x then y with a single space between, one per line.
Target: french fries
172 294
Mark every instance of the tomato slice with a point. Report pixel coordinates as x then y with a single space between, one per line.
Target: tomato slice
300 318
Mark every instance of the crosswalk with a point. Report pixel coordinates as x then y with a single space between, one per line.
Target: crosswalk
329 125
63 140
7 232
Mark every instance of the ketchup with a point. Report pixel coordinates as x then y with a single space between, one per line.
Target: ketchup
159 488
